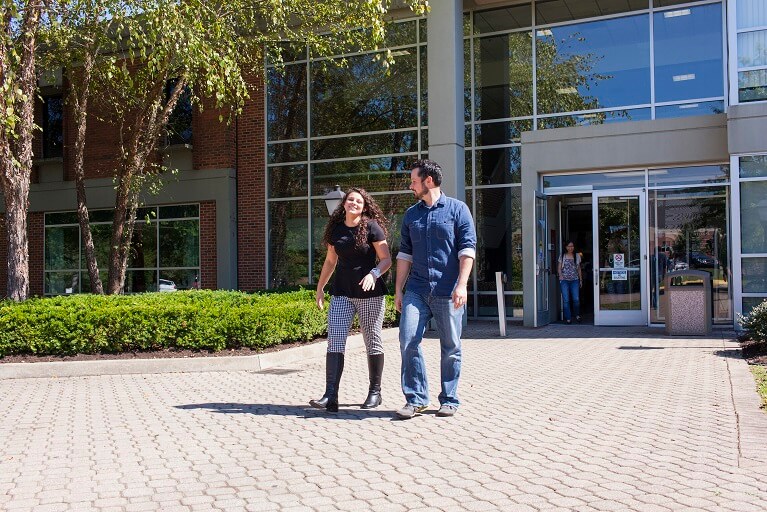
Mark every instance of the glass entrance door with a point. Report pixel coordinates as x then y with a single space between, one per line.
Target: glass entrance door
541 261
620 261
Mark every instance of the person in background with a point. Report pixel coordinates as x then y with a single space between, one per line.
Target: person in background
570 281
355 237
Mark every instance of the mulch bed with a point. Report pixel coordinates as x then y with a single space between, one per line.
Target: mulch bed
154 354
754 353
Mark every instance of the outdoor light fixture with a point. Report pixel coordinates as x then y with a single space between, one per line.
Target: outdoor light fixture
333 199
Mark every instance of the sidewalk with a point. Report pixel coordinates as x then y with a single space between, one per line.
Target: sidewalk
559 418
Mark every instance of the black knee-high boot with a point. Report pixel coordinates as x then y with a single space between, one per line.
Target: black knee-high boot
334 367
375 367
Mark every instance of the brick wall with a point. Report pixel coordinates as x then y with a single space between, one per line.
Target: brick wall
36 233
251 235
208 262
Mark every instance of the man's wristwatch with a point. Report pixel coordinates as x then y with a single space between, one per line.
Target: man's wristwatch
375 272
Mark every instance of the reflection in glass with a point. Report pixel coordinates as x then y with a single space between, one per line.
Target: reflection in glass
286 102
687 176
753 166
750 303
60 218
752 85
505 18
362 145
488 305
690 109
286 152
374 174
554 11
140 281
688 230
179 211
618 234
754 275
503 76
593 181
595 118
179 243
594 65
288 243
182 279
364 95
751 13
492 134
62 247
753 217
62 283
688 53
752 49
288 181
143 253
53 126
498 217
499 165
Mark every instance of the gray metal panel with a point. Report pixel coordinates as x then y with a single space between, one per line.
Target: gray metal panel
746 128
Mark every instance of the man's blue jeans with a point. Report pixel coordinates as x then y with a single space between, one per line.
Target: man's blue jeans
571 289
417 310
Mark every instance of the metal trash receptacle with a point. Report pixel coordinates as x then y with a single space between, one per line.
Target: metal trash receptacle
687 302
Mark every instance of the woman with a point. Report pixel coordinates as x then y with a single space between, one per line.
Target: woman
355 237
570 280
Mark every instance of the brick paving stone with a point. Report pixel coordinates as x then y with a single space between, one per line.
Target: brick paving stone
586 424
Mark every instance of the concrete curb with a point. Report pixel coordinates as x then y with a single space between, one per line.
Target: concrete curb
60 369
752 427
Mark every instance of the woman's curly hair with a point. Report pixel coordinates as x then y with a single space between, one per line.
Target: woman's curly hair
370 211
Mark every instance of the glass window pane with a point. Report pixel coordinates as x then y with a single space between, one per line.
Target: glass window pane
491 134
53 126
752 85
488 306
499 165
180 243
498 216
362 145
690 109
102 234
552 184
143 214
374 175
595 118
288 181
52 219
594 65
753 216
754 275
503 75
62 248
688 53
286 102
752 49
62 283
143 253
688 230
101 215
505 18
362 96
750 303
424 88
751 13
554 11
140 281
753 166
179 211
288 243
286 152
668 3
686 176
179 279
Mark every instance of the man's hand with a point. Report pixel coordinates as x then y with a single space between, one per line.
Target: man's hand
398 301
459 296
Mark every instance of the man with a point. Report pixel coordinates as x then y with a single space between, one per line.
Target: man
437 250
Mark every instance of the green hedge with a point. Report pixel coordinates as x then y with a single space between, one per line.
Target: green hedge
200 320
756 323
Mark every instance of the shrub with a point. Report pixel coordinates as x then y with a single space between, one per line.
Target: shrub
199 320
756 323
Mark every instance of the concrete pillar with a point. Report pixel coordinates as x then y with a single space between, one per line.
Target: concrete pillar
445 86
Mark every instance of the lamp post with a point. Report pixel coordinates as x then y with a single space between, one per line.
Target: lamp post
333 199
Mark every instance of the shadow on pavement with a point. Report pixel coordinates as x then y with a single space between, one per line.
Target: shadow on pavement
346 411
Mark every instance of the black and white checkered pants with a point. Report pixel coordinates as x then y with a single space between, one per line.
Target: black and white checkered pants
341 314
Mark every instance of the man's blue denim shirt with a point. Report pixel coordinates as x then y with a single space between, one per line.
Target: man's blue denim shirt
432 240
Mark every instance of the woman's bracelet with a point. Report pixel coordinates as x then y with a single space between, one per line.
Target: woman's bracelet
375 272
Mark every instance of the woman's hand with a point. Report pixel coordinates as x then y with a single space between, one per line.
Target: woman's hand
368 282
320 299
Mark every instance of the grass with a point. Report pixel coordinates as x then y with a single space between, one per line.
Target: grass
760 376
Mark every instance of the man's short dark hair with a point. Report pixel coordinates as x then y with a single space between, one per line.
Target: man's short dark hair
428 168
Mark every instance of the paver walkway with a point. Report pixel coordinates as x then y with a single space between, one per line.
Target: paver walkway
560 418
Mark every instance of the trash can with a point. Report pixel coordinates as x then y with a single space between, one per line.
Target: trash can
686 302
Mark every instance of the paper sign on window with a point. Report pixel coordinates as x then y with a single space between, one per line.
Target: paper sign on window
618 260
620 275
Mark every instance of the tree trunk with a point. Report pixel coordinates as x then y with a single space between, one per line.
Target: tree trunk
80 113
16 193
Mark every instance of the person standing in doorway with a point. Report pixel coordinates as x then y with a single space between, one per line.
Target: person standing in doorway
570 281
437 250
355 237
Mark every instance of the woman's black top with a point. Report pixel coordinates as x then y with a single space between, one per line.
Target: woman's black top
354 263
